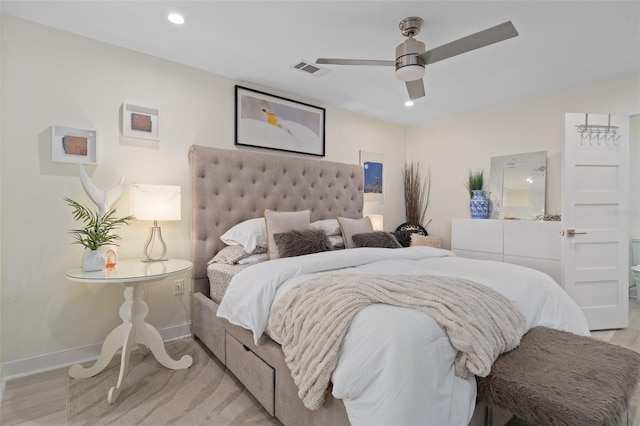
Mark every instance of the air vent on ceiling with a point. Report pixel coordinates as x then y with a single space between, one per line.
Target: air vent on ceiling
309 67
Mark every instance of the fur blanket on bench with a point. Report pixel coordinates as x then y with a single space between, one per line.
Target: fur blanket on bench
313 319
557 378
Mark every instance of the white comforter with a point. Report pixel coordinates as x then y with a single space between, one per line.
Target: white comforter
396 365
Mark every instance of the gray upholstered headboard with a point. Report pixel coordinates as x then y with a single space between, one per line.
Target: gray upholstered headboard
230 186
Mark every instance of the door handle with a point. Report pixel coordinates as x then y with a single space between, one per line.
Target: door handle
571 233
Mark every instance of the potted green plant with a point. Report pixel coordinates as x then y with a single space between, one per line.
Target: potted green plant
96 233
478 204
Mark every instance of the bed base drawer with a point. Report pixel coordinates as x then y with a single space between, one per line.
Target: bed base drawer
255 374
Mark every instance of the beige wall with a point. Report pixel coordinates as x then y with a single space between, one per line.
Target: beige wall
454 145
54 78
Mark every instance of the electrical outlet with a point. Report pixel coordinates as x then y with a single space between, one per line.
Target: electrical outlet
178 287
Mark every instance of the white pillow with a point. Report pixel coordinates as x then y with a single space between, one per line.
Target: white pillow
249 234
350 227
277 222
336 241
329 226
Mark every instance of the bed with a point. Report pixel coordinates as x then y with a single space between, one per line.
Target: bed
232 186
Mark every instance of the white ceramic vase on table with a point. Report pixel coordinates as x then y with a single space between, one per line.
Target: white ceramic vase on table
93 260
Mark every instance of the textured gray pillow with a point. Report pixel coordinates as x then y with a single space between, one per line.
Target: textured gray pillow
381 239
299 243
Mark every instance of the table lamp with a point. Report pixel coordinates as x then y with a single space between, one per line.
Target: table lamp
155 202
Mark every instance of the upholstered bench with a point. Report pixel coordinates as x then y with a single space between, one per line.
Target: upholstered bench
558 378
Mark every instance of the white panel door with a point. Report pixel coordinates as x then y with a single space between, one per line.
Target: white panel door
595 217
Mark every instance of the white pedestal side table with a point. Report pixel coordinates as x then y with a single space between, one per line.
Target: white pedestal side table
133 330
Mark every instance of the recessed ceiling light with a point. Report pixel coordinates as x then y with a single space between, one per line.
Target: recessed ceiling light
176 18
409 103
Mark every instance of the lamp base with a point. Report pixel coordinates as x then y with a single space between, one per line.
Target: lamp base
154 233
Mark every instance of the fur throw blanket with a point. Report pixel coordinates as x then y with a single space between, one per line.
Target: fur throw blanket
312 320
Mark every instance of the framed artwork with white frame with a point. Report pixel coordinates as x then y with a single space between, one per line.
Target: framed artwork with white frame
373 165
73 145
140 122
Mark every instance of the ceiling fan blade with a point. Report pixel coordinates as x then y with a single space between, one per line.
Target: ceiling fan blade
415 89
354 62
492 35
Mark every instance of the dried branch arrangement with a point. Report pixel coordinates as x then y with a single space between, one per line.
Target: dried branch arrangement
416 193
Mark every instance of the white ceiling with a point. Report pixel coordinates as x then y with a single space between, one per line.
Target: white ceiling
561 44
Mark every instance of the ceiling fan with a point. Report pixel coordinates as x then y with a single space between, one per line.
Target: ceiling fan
411 58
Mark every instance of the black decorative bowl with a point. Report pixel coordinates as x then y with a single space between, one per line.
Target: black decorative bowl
404 231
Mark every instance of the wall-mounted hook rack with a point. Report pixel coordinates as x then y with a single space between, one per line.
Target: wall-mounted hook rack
597 132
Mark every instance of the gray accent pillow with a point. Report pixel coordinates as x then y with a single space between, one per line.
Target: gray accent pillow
380 239
299 243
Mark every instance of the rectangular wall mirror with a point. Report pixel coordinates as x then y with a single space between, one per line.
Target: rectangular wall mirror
517 186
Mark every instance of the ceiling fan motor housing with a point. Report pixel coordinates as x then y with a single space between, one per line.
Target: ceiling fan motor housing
409 66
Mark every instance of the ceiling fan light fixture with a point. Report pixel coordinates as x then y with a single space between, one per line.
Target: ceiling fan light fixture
410 72
411 56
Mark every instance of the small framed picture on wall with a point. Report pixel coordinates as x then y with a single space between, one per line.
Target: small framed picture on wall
73 145
373 165
140 122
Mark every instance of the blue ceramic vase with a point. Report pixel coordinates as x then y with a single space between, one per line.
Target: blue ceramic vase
479 205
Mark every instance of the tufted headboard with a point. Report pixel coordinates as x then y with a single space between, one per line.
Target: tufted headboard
230 186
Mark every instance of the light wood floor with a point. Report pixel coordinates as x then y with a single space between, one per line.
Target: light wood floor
41 399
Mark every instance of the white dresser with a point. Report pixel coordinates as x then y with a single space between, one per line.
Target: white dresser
535 244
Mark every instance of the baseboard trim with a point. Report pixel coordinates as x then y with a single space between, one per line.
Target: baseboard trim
54 360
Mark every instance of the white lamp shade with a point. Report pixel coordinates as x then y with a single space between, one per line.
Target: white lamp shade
155 202
377 221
